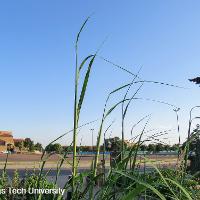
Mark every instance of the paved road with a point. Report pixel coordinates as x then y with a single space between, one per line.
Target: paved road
36 157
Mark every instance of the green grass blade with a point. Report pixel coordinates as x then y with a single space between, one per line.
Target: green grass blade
133 194
181 187
138 123
138 144
116 90
113 107
148 186
84 87
81 29
126 108
84 61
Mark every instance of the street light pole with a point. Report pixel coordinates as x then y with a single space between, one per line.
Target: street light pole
92 139
178 129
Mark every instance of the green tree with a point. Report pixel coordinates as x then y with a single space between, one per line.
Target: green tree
159 147
113 144
38 147
151 148
166 147
174 147
31 147
29 144
143 147
57 148
67 149
20 145
50 148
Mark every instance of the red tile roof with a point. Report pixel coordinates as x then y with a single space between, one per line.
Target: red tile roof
18 140
6 134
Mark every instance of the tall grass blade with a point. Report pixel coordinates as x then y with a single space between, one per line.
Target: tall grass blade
148 186
138 145
84 87
187 194
84 61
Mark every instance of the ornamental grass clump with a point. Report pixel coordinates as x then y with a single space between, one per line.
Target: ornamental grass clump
123 180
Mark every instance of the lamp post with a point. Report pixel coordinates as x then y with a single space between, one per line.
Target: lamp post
92 130
177 120
178 130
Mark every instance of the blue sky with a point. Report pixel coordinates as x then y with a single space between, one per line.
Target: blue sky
37 63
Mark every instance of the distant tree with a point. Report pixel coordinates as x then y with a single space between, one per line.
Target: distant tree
159 147
19 145
143 147
38 147
174 147
112 144
68 148
31 147
29 144
151 148
57 148
50 148
166 147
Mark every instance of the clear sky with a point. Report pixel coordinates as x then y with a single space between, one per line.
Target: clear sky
37 63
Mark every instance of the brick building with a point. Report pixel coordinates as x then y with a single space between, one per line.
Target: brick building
6 141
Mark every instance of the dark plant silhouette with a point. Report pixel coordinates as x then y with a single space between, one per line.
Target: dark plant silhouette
195 80
194 154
